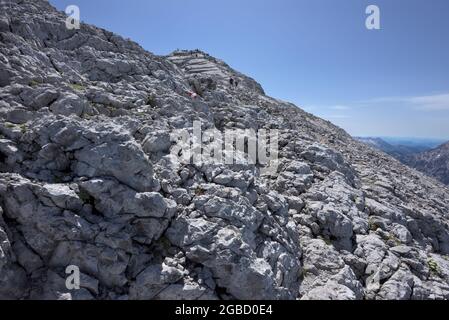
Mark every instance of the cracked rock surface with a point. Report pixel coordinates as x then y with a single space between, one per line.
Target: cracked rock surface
87 178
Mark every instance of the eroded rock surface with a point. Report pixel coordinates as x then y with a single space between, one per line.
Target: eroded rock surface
87 178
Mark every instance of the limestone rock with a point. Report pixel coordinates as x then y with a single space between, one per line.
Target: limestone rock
91 176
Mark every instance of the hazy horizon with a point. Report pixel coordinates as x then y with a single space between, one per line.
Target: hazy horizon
405 138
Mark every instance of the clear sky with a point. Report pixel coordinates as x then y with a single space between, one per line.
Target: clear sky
317 54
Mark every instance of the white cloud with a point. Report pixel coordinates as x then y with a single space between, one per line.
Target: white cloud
435 102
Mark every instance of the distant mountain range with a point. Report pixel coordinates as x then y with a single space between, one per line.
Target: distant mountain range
430 156
434 162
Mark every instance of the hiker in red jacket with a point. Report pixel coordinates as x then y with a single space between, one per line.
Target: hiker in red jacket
192 94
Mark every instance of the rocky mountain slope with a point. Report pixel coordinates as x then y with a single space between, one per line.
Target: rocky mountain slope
87 179
434 163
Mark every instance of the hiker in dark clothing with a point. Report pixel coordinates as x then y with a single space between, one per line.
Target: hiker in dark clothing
231 82
236 83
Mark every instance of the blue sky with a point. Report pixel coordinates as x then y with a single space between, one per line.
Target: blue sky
317 54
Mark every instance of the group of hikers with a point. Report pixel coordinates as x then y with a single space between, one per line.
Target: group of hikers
233 82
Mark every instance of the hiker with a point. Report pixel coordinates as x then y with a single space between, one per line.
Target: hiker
192 95
236 83
231 82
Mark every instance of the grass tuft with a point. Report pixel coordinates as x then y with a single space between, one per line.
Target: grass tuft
77 86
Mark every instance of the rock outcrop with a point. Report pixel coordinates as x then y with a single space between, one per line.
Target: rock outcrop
88 178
